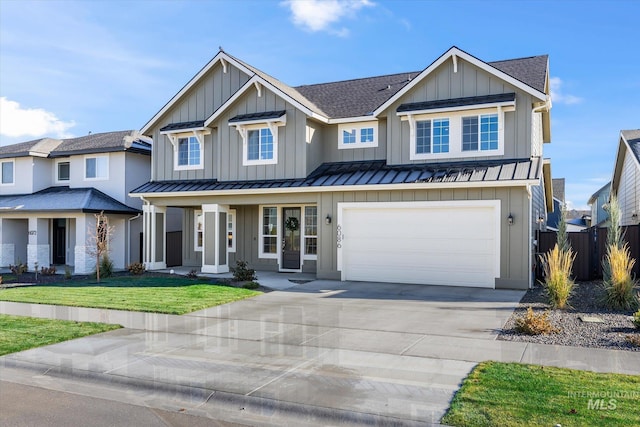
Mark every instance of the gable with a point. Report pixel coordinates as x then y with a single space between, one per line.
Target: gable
628 156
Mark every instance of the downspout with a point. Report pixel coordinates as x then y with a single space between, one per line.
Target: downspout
530 197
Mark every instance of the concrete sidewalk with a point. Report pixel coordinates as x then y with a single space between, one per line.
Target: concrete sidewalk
318 353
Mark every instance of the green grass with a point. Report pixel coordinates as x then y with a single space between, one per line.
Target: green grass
172 295
512 394
19 333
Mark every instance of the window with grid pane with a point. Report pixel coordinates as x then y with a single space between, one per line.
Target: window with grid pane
188 151
489 132
269 232
260 144
311 230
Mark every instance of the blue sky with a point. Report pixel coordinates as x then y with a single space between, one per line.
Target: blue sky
70 67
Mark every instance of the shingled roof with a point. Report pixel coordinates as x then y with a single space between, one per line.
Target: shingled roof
86 200
39 147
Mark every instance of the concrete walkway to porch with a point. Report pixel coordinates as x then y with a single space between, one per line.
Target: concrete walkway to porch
269 279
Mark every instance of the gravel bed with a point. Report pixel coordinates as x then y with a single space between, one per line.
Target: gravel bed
610 334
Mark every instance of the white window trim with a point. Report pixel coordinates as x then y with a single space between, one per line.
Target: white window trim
197 248
174 138
232 212
243 129
56 171
279 235
358 127
13 178
303 234
93 156
455 133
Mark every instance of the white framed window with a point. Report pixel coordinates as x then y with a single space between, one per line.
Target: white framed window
96 167
8 172
357 135
260 146
231 230
189 155
310 232
63 171
269 232
456 134
198 230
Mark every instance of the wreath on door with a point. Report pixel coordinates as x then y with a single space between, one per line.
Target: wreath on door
292 223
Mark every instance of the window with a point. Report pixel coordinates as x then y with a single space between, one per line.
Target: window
8 176
269 232
198 227
357 135
311 230
260 145
63 171
189 152
231 230
96 167
432 136
483 129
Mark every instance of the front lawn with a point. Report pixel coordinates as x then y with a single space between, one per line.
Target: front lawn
170 294
512 394
19 333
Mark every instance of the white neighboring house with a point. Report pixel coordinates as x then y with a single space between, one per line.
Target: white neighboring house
626 177
51 190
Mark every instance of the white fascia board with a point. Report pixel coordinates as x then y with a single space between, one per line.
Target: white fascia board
510 106
219 56
357 119
205 130
471 59
343 188
250 83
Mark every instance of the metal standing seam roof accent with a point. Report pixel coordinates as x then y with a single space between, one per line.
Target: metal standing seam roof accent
257 116
457 102
375 172
183 125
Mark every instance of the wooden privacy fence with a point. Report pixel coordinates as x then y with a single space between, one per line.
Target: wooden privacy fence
590 249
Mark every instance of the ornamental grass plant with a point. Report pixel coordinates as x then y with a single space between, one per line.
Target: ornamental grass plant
619 284
557 265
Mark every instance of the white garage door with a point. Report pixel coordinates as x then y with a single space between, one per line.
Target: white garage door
436 243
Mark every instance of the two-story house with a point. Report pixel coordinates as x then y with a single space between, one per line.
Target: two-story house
625 182
429 177
51 190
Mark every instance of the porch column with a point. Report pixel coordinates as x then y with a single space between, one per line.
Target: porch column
38 246
155 238
83 263
7 247
214 245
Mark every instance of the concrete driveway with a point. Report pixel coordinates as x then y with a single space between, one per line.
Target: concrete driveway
324 352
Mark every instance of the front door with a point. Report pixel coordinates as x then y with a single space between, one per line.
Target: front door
59 241
291 238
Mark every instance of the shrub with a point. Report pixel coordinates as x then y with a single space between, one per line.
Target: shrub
136 268
18 269
242 272
633 340
106 267
618 283
48 271
67 272
535 323
557 266
636 317
193 274
251 285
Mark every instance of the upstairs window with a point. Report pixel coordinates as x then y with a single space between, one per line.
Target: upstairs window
189 152
260 145
96 167
8 176
63 170
480 132
432 136
358 135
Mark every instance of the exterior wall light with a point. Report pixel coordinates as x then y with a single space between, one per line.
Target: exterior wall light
510 219
327 220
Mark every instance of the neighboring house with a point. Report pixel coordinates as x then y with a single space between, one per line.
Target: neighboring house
626 177
51 190
553 217
598 201
431 177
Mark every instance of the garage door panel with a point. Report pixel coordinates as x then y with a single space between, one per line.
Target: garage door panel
441 244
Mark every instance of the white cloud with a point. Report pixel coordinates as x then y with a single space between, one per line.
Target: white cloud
16 122
558 96
321 15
